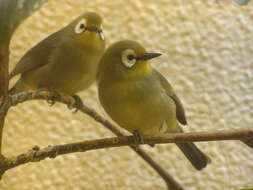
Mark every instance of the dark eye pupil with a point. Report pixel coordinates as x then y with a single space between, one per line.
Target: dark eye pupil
130 57
82 26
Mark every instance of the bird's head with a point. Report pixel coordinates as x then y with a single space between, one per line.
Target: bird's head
126 59
87 29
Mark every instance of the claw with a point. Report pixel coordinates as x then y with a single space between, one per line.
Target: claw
55 96
50 102
138 139
78 103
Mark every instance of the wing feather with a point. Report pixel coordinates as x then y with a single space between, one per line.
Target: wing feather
38 55
180 113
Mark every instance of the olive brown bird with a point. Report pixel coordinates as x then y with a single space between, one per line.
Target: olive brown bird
65 62
139 98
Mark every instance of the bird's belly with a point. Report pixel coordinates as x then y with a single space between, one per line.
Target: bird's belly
135 110
77 74
68 79
72 83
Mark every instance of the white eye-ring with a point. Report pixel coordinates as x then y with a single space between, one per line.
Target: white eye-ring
128 58
80 27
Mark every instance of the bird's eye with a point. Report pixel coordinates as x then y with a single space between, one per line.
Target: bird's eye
80 27
128 58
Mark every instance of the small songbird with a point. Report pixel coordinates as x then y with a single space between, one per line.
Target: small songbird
66 61
139 98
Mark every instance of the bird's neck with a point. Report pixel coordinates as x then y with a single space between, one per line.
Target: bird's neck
135 75
89 40
142 69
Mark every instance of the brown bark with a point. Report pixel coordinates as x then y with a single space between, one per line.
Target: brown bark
37 154
4 83
44 95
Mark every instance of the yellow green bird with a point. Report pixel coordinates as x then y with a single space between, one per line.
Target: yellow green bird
66 61
139 98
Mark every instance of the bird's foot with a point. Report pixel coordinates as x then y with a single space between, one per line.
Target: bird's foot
138 139
78 104
53 98
54 95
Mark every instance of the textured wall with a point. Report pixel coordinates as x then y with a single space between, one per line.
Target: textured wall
207 56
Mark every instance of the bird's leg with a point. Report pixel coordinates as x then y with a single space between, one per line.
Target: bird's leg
54 95
138 138
74 101
78 103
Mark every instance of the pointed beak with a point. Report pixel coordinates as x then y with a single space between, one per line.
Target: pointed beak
148 56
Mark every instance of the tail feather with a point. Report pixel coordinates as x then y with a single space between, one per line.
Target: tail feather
197 158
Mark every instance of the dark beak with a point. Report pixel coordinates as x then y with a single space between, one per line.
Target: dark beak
148 56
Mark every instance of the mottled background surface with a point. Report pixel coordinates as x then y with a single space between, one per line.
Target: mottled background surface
207 56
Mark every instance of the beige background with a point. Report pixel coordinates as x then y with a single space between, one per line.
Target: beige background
207 56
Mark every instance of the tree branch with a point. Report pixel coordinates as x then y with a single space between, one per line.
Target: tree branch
4 69
4 83
37 154
44 95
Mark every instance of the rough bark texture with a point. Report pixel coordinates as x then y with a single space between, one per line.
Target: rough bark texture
37 154
45 95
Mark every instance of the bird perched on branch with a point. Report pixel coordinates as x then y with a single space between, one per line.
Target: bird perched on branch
66 61
139 98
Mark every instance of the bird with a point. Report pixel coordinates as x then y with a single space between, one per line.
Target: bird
140 99
66 61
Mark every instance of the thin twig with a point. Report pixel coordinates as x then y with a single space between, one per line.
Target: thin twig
37 154
43 95
245 135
